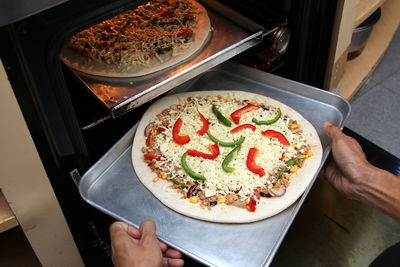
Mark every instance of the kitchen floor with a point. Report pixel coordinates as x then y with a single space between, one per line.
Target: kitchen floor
376 106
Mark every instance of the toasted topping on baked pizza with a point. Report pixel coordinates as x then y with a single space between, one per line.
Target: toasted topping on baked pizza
137 36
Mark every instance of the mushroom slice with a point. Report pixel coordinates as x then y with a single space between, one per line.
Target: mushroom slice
277 192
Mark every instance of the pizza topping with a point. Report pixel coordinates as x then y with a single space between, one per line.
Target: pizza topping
269 122
189 171
238 113
205 126
150 156
278 135
232 176
160 129
293 161
179 139
222 119
251 205
149 139
214 148
229 158
174 181
137 36
226 144
190 190
277 192
243 126
251 162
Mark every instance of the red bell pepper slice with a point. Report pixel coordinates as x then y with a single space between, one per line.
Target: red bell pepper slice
149 139
150 156
251 206
160 129
205 126
251 162
243 126
179 139
238 113
275 134
185 31
214 148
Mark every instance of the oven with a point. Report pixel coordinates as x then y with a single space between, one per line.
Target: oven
75 119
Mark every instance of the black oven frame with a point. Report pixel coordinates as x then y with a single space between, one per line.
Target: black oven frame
29 51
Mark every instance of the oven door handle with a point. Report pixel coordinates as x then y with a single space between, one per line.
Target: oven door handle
76 176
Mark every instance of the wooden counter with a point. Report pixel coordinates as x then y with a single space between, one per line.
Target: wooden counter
7 217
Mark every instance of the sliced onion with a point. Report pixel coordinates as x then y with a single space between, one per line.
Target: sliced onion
190 190
148 129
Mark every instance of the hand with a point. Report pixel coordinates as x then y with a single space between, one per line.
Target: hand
140 247
347 170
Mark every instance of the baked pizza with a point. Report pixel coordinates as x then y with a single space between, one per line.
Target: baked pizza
140 41
225 156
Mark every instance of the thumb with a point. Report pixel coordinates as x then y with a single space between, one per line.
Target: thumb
331 131
148 231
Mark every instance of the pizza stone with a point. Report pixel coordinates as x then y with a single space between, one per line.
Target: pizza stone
222 213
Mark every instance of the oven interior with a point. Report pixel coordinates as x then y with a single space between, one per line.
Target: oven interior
72 129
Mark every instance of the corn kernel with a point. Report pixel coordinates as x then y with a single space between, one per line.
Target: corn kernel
156 179
310 154
293 145
164 176
193 199
294 126
221 200
303 156
293 169
156 165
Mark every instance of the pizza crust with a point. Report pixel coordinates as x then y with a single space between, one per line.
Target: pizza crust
226 213
89 66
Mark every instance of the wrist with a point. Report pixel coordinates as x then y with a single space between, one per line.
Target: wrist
364 178
368 181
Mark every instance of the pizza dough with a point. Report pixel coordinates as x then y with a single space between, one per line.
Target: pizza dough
89 66
226 213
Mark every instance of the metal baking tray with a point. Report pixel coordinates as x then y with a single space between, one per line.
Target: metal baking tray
112 186
231 34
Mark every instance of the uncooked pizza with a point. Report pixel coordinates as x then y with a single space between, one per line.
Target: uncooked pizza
225 156
149 38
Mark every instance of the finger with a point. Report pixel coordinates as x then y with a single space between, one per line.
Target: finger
133 232
118 227
163 246
331 131
148 233
167 262
173 253
120 240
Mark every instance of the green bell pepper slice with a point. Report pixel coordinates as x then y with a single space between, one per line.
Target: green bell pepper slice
174 181
222 119
229 158
189 171
293 161
226 144
278 115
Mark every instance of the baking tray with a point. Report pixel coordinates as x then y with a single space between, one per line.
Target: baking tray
112 186
231 34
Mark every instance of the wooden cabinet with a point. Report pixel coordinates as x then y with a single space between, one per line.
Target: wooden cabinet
7 217
346 77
